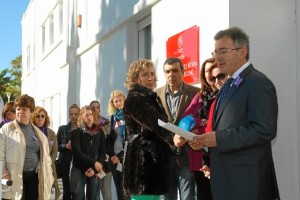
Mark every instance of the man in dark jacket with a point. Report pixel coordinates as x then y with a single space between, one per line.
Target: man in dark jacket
244 124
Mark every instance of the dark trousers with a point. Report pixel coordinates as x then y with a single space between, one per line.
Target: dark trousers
118 179
30 185
202 186
66 162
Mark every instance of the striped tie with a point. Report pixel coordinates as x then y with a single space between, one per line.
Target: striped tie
223 92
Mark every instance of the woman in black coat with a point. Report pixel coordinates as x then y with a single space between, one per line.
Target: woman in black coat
65 149
89 152
147 159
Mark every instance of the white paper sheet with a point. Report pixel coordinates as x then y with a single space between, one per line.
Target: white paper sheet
119 167
101 174
175 129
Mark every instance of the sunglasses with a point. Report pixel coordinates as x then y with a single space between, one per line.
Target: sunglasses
220 77
40 116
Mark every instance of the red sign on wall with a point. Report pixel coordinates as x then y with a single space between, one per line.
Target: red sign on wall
185 45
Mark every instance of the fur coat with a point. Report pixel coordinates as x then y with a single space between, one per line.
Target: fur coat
147 160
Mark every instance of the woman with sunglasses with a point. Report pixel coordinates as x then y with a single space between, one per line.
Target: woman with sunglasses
41 119
8 113
199 110
217 79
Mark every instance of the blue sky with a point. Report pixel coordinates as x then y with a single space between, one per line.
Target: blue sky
11 13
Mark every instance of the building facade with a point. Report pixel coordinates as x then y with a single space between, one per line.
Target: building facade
77 51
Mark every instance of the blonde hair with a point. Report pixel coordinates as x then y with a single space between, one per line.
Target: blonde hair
134 70
80 121
37 110
113 95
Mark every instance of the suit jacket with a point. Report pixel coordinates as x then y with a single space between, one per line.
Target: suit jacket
245 123
188 93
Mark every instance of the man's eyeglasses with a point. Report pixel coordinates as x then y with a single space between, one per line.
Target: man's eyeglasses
220 77
40 116
223 51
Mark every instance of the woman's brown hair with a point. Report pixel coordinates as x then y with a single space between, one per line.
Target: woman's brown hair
25 101
204 83
37 110
8 107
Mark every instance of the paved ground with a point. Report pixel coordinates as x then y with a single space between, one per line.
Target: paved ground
114 197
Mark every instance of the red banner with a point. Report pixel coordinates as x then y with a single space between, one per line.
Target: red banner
185 45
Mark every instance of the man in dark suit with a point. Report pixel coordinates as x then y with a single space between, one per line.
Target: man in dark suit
244 124
176 96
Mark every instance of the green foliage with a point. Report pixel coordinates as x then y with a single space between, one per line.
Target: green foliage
10 80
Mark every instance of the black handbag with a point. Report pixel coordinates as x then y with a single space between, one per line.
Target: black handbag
58 165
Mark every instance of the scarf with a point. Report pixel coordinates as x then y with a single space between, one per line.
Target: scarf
90 130
207 99
119 116
44 130
103 121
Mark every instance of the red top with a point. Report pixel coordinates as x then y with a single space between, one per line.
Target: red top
208 127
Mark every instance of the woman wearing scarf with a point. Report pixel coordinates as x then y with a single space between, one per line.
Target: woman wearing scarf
116 139
89 152
104 188
41 119
199 110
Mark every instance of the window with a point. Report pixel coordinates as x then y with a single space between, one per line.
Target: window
58 21
60 7
51 30
144 37
28 59
43 39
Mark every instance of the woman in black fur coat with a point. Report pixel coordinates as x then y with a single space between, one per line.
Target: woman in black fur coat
146 164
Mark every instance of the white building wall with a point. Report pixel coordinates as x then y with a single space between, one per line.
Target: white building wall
47 77
87 63
273 27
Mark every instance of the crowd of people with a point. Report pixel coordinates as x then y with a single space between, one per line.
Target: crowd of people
230 158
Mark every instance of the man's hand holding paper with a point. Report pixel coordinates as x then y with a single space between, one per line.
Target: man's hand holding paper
207 139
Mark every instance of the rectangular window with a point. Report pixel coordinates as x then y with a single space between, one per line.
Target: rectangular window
144 37
28 59
51 30
60 7
55 24
43 39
